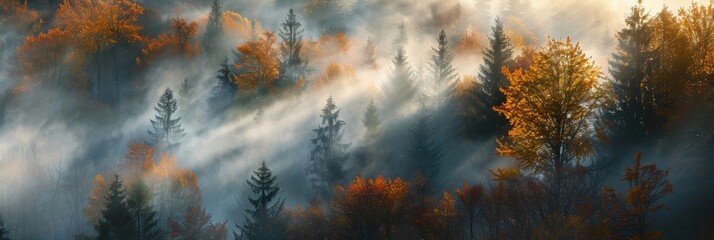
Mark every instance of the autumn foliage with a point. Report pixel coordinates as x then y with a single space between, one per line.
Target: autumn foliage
177 43
258 65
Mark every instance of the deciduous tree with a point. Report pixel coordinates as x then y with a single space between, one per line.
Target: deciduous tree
257 65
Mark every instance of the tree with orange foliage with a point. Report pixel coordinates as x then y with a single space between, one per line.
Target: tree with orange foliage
370 209
552 108
197 225
257 65
470 197
178 42
97 202
16 12
139 158
47 59
310 223
97 25
332 74
629 216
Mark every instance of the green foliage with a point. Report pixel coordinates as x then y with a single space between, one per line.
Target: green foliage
330 154
479 119
144 216
266 219
293 65
167 129
117 221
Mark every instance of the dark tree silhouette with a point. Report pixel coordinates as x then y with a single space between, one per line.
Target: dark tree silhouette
117 221
197 225
400 87
4 234
214 29
266 219
143 214
425 152
480 121
330 154
167 129
293 65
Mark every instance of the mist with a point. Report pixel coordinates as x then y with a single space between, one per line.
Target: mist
56 139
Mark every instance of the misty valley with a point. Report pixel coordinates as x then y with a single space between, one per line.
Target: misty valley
356 119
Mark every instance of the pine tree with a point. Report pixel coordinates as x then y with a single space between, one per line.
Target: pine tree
293 65
167 130
425 153
441 69
266 219
4 234
370 120
480 121
144 216
214 29
224 90
117 221
401 40
401 86
330 154
630 67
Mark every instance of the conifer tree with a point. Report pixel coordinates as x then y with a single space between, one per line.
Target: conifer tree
330 154
630 67
167 129
145 221
370 120
442 71
266 219
4 234
401 86
117 221
480 121
425 153
401 40
224 90
293 65
214 29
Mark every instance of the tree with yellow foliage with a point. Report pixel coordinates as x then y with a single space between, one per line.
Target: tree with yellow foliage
257 65
178 42
552 109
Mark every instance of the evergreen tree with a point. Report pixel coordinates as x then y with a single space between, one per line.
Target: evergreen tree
425 153
371 120
330 154
441 69
293 65
224 91
144 216
480 121
214 29
117 221
630 68
266 219
167 130
401 86
4 234
401 40
197 225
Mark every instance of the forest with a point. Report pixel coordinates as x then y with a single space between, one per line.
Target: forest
356 119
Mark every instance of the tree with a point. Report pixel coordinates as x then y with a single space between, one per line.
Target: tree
630 217
370 121
167 130
425 152
552 109
177 42
329 155
225 89
470 197
310 223
144 216
370 55
292 65
117 221
401 40
214 29
97 200
401 87
480 121
197 225
442 71
97 25
257 65
266 219
630 67
370 209
697 23
4 234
